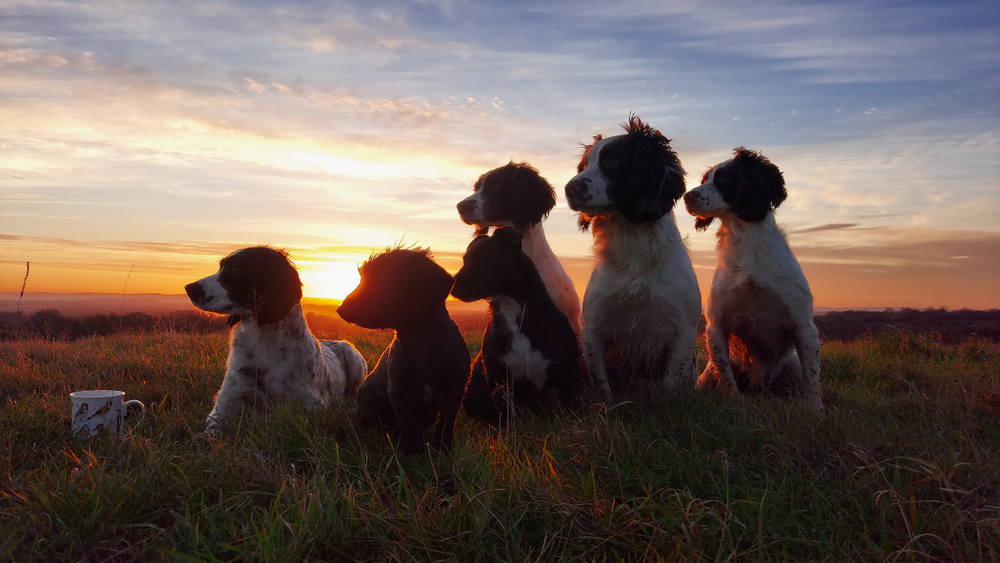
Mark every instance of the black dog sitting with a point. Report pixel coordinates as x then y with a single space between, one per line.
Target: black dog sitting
421 376
529 344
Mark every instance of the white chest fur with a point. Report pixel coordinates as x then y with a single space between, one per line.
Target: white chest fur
522 361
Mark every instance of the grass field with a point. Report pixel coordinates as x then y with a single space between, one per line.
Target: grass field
903 465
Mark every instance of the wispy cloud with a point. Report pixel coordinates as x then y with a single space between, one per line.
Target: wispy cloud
354 125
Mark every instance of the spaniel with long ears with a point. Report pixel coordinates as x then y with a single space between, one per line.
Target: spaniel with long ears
516 195
760 311
272 354
642 303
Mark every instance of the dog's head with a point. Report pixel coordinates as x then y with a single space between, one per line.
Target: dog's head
636 175
258 283
493 265
747 186
514 195
399 289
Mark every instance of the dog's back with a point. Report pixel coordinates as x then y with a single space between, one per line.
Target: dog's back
344 356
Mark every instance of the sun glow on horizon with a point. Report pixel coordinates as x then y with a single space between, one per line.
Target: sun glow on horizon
329 280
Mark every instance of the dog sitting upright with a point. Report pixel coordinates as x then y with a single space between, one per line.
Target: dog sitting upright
516 195
760 329
272 354
529 345
642 304
421 376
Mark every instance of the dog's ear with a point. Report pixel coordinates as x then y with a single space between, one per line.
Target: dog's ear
525 198
532 195
702 223
656 179
280 290
760 186
439 283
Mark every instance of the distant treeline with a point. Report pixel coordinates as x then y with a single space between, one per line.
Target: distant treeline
51 324
949 326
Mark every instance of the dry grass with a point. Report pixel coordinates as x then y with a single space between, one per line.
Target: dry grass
904 465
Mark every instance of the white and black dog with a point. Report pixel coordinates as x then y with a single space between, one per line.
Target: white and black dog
760 311
516 195
642 304
272 354
529 346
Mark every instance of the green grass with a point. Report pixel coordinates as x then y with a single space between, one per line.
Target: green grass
903 465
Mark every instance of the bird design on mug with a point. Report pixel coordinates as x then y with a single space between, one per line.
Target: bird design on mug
82 411
101 411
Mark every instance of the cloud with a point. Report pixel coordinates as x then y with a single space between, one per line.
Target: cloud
834 41
894 268
827 227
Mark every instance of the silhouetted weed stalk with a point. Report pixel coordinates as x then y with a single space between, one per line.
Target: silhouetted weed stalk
904 465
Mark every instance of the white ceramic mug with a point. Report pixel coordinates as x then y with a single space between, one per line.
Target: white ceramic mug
101 409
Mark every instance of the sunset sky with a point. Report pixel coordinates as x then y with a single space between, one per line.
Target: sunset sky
155 137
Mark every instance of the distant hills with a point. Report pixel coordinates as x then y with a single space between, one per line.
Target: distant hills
76 304
82 314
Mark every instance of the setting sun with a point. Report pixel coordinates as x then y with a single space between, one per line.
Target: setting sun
330 280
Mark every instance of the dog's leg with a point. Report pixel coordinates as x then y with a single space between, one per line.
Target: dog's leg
808 348
478 402
718 362
595 350
682 366
229 400
565 378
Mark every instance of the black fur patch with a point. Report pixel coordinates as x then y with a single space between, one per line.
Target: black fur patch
645 176
516 192
263 280
751 184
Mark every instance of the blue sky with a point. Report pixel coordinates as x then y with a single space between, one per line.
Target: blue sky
166 134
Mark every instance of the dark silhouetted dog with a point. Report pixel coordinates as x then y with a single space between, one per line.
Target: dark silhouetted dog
529 346
421 376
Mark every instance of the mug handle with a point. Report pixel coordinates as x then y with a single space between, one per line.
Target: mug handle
139 404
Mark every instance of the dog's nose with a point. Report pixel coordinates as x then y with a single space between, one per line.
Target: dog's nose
689 198
576 191
195 292
466 207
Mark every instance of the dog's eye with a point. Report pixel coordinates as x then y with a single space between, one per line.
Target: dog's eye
611 162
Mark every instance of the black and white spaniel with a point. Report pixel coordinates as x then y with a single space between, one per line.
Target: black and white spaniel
760 311
272 354
516 195
642 304
422 374
529 346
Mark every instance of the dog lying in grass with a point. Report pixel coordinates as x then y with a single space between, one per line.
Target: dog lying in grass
529 346
421 376
272 354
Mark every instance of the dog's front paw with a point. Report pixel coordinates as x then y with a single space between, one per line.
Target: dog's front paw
708 378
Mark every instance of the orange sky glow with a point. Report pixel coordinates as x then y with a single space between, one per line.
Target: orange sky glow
141 144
